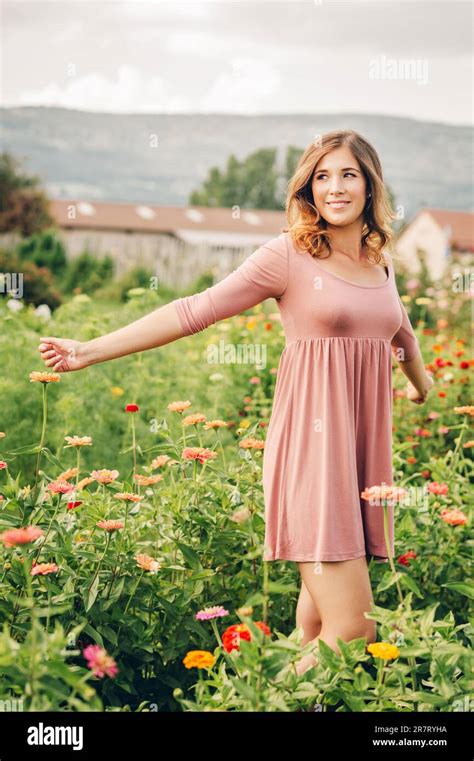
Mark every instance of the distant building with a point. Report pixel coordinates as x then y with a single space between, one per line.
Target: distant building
176 244
442 235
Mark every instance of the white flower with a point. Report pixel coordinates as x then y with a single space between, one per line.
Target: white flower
15 305
43 310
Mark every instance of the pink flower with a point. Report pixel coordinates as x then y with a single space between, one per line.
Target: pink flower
110 525
60 487
206 614
198 453
16 536
99 661
438 488
453 517
3 464
42 569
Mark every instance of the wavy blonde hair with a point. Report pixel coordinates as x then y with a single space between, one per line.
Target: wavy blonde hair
308 229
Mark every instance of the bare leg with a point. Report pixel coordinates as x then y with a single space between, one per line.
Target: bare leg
307 615
341 592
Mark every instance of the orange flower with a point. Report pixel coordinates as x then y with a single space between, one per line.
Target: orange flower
128 496
16 536
466 410
179 406
200 659
453 517
42 569
147 563
251 443
84 482
104 476
41 377
110 525
388 492
215 424
194 419
233 634
67 474
77 441
147 480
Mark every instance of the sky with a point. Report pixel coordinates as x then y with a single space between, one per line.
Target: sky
404 58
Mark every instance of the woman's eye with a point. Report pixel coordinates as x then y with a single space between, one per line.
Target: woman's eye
320 176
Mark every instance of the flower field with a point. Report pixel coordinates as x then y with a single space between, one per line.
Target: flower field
132 522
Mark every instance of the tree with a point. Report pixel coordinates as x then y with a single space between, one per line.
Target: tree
23 205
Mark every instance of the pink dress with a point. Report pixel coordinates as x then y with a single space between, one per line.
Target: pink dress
330 431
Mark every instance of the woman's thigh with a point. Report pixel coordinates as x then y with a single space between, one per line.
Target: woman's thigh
340 590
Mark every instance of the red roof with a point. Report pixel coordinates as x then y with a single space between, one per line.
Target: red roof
460 223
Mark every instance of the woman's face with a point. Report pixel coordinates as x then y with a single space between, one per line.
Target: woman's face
338 177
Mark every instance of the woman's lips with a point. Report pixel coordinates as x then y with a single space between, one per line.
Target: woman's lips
338 204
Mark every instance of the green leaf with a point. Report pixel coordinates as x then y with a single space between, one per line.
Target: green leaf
92 594
388 579
463 587
411 584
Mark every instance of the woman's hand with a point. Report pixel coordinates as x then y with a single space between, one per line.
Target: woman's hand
63 355
415 396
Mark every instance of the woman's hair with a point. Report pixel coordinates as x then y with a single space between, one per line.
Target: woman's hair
308 229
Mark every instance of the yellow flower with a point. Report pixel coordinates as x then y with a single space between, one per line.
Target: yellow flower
383 650
41 377
117 391
2 435
200 659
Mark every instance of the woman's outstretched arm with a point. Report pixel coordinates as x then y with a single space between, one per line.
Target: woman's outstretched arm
155 329
262 275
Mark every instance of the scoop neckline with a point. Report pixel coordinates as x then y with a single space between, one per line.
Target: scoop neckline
349 282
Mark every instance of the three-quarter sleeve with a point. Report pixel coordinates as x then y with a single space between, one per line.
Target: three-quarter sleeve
405 345
263 275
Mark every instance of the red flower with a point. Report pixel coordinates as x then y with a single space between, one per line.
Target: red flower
404 559
233 634
72 505
131 408
464 365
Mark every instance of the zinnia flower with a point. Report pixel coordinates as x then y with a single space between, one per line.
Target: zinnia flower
453 517
179 406
215 424
41 377
73 505
389 492
437 488
84 482
251 443
42 569
77 441
215 611
198 453
200 659
60 487
131 408
15 536
99 661
233 634
194 419
128 496
466 410
162 459
147 480
405 559
383 650
110 525
104 476
147 563
67 474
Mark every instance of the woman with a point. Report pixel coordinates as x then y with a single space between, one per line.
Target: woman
330 432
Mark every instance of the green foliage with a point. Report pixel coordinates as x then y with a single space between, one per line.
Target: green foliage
88 272
45 250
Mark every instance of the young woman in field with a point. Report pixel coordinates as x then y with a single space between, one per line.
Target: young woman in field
330 432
